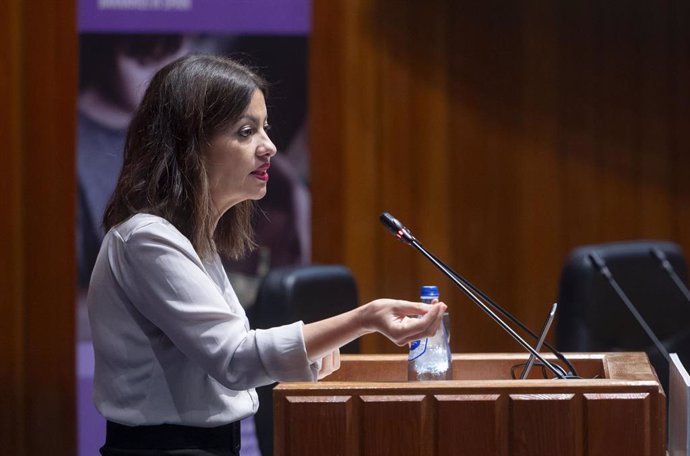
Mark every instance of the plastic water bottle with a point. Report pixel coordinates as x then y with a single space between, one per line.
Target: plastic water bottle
430 358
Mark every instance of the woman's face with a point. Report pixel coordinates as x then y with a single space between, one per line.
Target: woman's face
238 158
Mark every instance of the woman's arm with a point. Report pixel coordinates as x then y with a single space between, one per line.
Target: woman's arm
389 317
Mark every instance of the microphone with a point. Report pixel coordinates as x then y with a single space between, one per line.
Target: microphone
670 270
404 235
600 264
397 228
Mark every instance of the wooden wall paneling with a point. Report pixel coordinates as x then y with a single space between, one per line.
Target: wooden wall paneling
654 111
485 77
549 126
485 414
49 189
615 129
327 130
397 186
680 109
38 85
362 167
470 185
538 234
577 116
11 267
500 111
430 142
361 124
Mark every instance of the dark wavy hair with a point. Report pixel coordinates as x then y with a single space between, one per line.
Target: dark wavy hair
186 104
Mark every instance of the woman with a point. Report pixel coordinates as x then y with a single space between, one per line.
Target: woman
176 362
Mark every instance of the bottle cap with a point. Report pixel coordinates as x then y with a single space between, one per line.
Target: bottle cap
429 292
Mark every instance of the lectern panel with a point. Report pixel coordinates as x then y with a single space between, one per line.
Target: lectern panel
471 424
621 418
545 424
410 435
319 425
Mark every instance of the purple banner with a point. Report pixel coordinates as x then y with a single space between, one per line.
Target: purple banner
195 16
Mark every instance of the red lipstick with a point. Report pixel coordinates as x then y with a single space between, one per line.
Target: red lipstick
261 172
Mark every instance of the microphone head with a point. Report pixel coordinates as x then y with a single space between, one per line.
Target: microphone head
596 259
658 254
397 228
599 263
661 258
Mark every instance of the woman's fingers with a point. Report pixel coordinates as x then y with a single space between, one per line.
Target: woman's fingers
336 360
409 308
425 326
407 321
329 364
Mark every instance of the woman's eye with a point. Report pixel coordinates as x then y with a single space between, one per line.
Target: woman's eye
245 132
267 128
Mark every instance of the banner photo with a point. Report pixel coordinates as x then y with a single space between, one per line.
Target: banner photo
195 16
122 44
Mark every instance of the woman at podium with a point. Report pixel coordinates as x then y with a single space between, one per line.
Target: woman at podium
176 362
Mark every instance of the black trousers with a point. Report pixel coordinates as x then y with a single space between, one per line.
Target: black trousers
171 440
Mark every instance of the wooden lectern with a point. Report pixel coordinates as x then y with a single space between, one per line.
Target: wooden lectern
368 408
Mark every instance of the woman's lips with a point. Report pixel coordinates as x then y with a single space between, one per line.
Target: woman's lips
261 175
262 172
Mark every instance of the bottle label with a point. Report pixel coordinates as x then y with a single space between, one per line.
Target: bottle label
417 348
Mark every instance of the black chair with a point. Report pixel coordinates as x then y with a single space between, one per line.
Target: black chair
289 294
592 317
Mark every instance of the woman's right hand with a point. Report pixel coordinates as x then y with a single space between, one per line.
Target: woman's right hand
403 321
400 321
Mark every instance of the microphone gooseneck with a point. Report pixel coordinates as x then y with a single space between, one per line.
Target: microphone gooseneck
404 234
599 262
671 271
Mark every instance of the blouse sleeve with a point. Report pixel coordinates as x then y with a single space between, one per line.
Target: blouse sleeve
167 283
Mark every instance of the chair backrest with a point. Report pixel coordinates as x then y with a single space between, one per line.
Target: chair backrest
288 294
593 318
308 293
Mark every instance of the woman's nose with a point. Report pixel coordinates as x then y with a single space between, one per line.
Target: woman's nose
267 147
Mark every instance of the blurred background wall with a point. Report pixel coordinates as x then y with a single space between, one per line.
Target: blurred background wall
503 133
38 82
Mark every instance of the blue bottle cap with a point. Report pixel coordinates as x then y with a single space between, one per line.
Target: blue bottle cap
429 291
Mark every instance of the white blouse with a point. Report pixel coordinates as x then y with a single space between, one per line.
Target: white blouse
172 343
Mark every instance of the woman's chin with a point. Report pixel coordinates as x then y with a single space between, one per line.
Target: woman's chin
259 194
